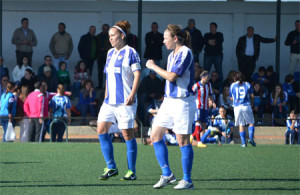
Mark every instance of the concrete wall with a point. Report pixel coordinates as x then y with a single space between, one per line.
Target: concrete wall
232 19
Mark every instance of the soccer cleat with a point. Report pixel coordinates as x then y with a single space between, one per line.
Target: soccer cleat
108 173
129 176
165 180
252 142
218 140
191 139
201 145
244 145
184 185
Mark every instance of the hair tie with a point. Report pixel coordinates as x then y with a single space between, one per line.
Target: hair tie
120 29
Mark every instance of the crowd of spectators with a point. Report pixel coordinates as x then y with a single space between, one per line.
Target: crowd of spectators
270 96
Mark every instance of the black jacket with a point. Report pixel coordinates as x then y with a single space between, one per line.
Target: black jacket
154 43
85 46
196 39
257 39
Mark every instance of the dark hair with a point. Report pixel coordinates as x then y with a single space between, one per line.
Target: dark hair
20 65
29 70
239 77
270 68
203 73
154 23
47 56
105 25
24 19
37 85
224 95
63 24
281 94
261 68
61 63
77 68
10 85
250 27
260 91
88 81
182 35
288 78
222 107
213 23
124 25
61 89
297 21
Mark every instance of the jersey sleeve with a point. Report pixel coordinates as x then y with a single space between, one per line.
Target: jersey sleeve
195 88
134 61
182 63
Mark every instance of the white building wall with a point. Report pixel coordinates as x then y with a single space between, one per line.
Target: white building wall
232 19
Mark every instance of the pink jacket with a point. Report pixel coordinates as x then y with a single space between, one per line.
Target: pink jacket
34 104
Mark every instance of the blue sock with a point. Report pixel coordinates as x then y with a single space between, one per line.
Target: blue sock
187 156
204 136
251 130
211 140
131 154
243 137
107 150
161 153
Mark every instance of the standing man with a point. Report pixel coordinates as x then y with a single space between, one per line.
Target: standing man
87 48
103 45
213 51
293 40
247 51
24 39
154 42
196 38
61 46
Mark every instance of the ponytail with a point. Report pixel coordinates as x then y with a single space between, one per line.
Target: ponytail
183 36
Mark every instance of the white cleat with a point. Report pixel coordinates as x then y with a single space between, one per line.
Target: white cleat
184 185
165 180
217 140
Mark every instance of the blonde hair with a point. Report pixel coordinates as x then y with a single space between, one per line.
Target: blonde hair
183 36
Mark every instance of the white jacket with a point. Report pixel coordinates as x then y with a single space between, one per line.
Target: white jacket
18 73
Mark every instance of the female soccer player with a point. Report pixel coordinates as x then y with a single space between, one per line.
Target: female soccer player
241 92
122 78
178 108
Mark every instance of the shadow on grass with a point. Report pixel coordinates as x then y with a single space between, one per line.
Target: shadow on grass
25 181
12 163
254 189
72 185
248 179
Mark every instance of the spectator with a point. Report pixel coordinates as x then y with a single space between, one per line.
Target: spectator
290 88
259 101
293 125
213 111
50 79
229 79
103 45
87 102
293 40
28 80
24 39
47 62
216 84
213 50
271 78
247 51
154 42
8 107
153 107
33 108
61 45
3 84
24 123
198 70
196 39
278 102
226 101
80 76
131 39
63 75
87 48
259 76
59 106
3 69
19 71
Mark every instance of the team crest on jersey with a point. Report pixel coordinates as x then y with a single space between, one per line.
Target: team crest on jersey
120 57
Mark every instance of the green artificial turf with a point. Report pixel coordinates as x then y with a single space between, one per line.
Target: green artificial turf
73 168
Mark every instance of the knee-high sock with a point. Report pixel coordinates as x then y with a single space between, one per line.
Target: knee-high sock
107 150
243 137
197 131
161 153
187 157
251 130
204 136
131 154
211 140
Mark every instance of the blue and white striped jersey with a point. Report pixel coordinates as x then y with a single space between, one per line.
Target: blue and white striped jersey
59 105
220 123
289 123
183 65
119 69
241 93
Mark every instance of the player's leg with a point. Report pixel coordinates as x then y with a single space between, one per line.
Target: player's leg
203 120
242 135
249 118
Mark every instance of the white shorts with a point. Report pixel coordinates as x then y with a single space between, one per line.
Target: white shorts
120 113
243 115
176 114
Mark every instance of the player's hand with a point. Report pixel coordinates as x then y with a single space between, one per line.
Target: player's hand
68 93
150 64
129 100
